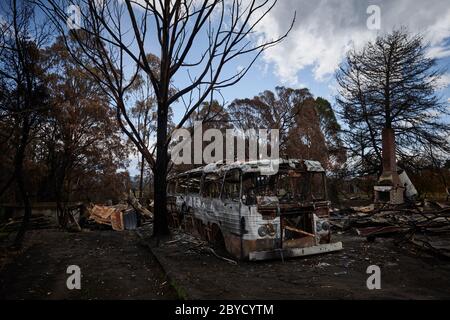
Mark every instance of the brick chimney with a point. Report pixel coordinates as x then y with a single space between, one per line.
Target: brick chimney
389 173
389 189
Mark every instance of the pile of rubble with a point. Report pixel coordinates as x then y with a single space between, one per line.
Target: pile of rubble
124 216
424 225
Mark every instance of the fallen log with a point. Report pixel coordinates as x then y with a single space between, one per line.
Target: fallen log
138 207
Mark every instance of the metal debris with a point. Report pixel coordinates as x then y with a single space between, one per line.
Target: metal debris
426 226
126 216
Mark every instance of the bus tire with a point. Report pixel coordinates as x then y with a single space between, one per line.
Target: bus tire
218 241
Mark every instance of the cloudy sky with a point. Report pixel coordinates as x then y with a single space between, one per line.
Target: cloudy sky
326 29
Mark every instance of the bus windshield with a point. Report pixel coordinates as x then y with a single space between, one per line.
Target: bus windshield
288 187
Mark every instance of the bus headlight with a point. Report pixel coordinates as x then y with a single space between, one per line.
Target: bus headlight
322 225
262 231
318 226
267 230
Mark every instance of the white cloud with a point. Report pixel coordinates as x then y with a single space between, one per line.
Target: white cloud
444 81
326 29
438 52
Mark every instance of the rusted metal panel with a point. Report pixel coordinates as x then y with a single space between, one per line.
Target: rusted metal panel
102 214
117 220
107 215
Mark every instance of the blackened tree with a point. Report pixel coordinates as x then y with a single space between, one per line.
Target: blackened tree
24 96
391 83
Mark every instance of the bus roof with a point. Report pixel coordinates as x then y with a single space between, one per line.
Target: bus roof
259 165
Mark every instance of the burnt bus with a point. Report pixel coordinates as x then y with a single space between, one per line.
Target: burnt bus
255 215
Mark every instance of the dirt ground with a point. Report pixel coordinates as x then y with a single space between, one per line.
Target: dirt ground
338 275
119 265
114 265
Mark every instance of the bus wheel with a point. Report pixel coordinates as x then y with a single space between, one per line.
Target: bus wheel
218 241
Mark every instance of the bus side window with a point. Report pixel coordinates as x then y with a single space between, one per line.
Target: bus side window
231 187
249 189
181 185
211 185
193 183
172 187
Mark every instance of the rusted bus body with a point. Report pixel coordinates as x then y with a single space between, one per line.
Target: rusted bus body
258 216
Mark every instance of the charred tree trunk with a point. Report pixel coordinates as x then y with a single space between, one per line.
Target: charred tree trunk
160 226
60 207
62 192
141 178
60 179
18 172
